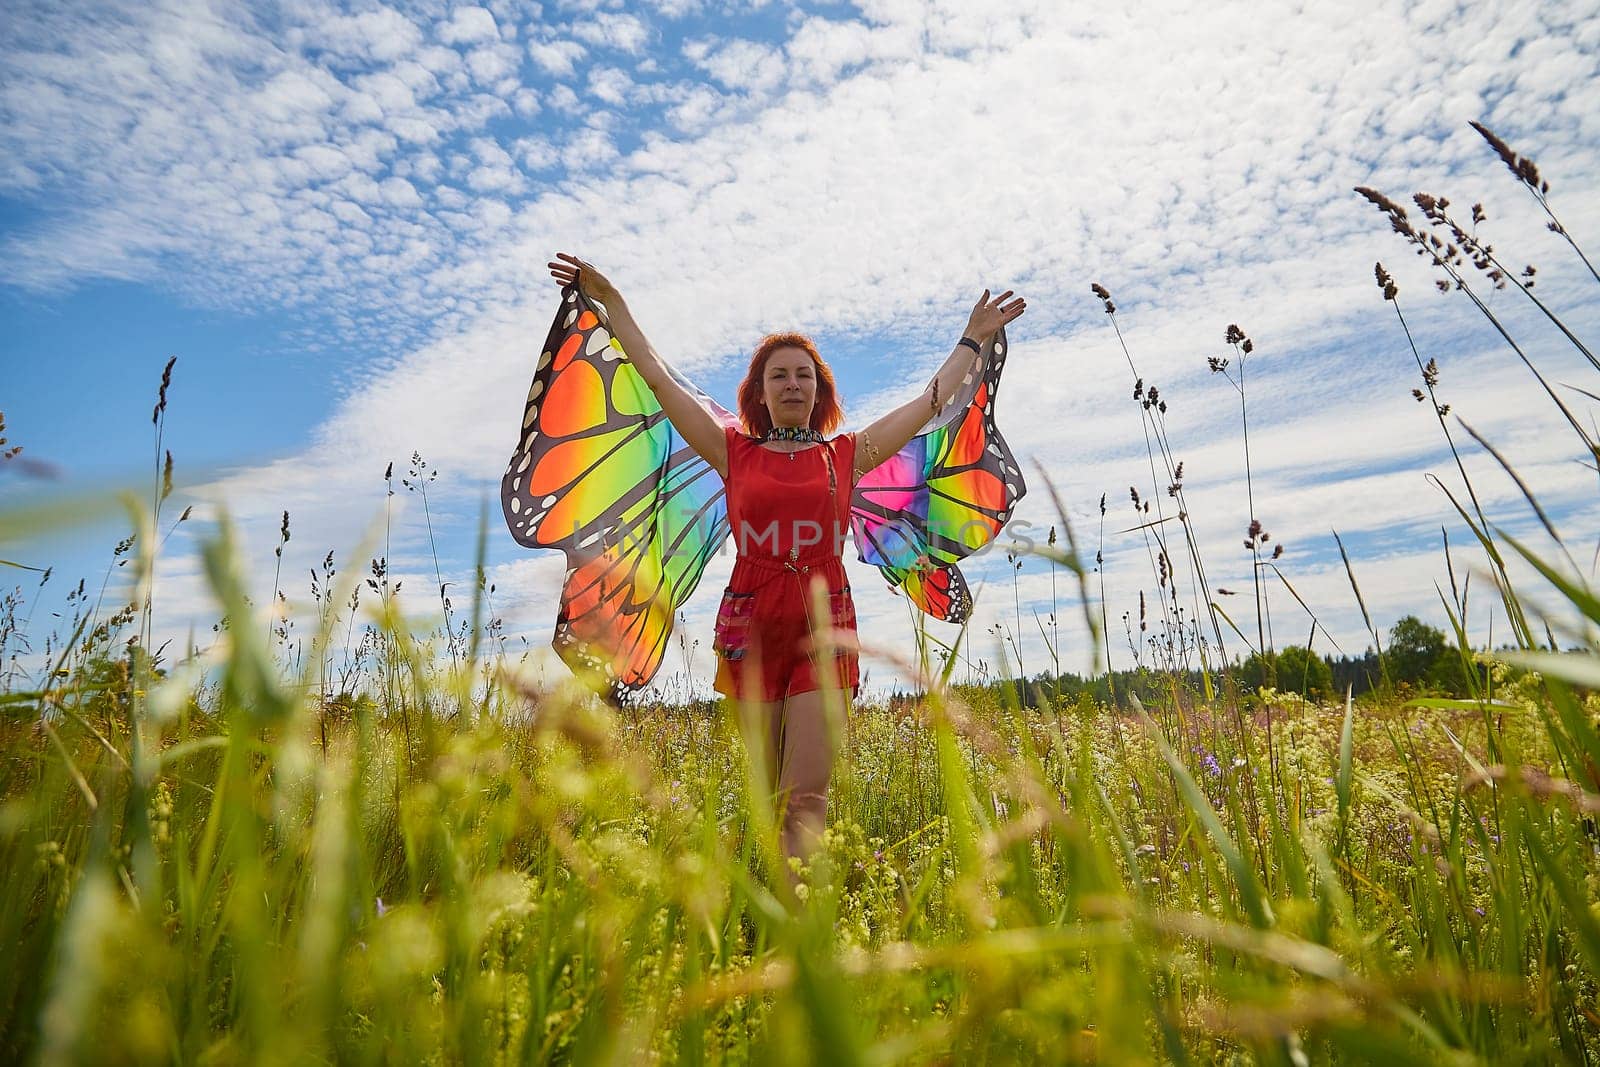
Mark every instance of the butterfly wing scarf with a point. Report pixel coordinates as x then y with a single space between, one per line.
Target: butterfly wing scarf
601 474
942 497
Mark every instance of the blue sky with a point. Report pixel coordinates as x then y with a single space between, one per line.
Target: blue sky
337 218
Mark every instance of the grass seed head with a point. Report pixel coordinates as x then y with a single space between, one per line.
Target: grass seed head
1525 169
161 396
1385 282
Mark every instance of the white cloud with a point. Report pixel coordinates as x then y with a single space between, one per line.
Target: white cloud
525 102
291 95
494 179
747 65
564 100
382 35
1201 170
610 85
400 193
588 150
491 66
536 154
558 58
468 25
606 29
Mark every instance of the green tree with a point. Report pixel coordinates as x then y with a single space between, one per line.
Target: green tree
1259 670
1303 671
1414 649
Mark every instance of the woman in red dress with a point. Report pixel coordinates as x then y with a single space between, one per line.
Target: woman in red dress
786 627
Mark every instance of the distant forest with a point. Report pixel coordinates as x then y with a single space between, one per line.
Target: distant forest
1416 658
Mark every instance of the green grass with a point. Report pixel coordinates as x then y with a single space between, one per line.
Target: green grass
234 873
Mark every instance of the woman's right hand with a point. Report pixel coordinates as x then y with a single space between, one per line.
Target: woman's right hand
591 282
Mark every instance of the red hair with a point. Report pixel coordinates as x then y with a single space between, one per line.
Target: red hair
826 414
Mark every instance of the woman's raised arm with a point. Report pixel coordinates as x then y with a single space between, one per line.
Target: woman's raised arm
889 434
691 418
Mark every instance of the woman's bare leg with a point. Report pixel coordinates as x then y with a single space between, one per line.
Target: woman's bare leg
761 724
806 756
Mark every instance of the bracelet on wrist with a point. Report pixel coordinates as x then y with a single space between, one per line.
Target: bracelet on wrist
970 343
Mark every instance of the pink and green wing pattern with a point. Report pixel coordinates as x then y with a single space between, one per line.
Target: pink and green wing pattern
942 497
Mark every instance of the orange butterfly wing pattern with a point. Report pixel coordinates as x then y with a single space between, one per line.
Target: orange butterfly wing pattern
601 474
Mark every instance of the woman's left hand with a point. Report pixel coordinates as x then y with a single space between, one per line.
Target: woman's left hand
989 315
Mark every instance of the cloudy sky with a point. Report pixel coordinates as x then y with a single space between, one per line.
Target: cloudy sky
337 219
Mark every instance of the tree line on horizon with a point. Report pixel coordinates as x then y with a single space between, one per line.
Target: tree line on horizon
1416 659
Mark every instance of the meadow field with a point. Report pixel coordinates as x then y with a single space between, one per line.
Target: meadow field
367 844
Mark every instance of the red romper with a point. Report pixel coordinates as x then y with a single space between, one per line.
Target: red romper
788 513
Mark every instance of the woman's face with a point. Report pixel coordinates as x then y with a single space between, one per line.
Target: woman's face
789 387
